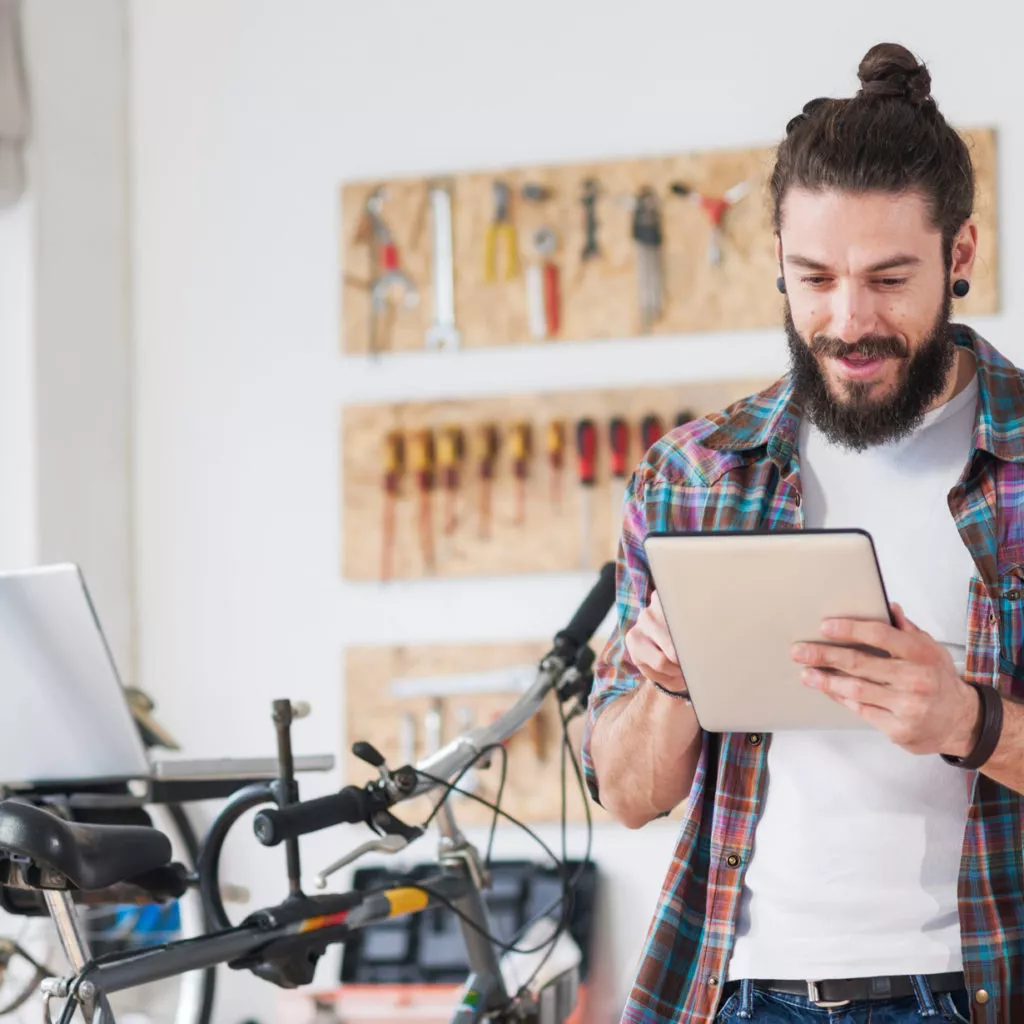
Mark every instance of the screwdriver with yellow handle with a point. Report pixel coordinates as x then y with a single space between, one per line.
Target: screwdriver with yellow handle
393 459
421 461
486 454
555 444
450 453
519 451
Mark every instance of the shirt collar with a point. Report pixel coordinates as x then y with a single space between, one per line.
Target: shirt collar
770 421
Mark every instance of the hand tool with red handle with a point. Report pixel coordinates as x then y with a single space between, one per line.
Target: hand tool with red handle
586 463
618 456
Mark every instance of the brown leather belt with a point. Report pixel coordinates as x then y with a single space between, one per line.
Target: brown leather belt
838 992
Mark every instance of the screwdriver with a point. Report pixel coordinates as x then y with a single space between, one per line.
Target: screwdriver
450 453
556 459
394 454
684 416
586 450
651 430
519 445
422 461
618 441
486 454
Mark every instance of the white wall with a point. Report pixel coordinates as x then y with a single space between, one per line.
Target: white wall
64 300
246 117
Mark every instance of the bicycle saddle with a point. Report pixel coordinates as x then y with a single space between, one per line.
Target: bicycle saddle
86 856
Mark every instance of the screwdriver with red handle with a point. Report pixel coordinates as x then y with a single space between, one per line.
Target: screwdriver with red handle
618 454
651 430
393 458
586 464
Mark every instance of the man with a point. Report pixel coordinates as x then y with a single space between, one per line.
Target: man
865 875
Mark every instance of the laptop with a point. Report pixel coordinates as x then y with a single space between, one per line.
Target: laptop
66 716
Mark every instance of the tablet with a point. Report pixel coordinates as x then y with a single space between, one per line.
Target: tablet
735 603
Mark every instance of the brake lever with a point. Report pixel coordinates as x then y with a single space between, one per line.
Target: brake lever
386 844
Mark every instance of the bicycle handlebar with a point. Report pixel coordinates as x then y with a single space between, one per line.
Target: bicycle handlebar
355 804
274 825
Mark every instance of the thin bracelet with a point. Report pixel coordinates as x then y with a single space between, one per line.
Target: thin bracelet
678 694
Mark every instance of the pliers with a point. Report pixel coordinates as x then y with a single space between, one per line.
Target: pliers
501 231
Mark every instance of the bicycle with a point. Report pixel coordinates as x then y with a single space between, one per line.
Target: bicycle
283 944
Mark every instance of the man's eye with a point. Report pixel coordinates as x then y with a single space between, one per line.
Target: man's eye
892 282
815 280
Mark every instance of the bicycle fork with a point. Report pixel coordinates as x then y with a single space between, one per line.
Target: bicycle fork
485 987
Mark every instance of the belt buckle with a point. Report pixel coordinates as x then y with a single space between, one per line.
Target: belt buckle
815 997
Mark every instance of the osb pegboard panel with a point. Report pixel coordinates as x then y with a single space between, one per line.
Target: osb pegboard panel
599 296
533 783
552 535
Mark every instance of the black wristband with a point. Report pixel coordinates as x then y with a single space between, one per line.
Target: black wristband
678 694
991 730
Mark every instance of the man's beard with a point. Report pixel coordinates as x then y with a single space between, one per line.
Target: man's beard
854 420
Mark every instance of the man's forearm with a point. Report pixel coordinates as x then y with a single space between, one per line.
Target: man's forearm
1006 765
645 749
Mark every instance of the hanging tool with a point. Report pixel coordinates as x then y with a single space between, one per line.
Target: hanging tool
422 464
588 198
647 235
685 416
393 459
385 273
486 456
715 209
586 453
519 451
618 444
501 233
556 460
442 333
450 454
542 293
651 431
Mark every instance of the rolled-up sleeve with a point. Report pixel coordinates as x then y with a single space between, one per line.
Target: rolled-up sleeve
615 675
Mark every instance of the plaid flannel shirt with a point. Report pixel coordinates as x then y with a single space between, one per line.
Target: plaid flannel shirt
738 470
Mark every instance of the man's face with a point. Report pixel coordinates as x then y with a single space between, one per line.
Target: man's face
867 318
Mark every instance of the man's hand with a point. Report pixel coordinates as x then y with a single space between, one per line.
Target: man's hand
914 696
651 648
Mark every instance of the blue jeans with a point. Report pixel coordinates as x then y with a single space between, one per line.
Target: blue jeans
748 1003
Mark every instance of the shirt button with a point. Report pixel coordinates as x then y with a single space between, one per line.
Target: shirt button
732 860
981 996
754 739
992 618
713 982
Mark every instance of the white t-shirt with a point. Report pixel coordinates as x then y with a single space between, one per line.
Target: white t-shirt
857 853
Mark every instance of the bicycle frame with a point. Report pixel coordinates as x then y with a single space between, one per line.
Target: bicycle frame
276 943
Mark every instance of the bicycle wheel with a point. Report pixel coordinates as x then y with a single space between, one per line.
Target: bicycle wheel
28 943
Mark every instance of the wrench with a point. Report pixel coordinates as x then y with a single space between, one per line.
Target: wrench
442 333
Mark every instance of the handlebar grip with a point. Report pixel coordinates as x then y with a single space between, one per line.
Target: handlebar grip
276 824
594 608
